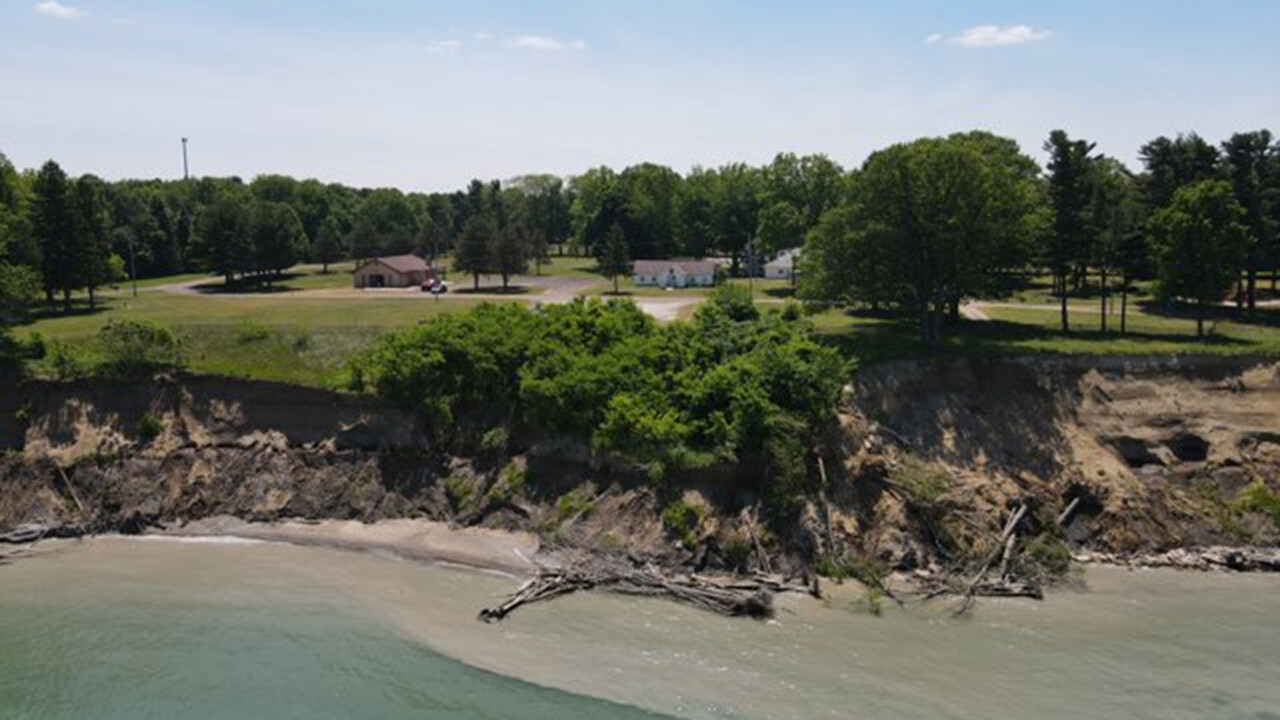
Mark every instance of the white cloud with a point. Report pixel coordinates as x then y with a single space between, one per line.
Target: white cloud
579 45
482 36
445 46
540 43
985 36
55 9
934 39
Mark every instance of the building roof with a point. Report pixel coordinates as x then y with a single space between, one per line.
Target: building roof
688 267
401 263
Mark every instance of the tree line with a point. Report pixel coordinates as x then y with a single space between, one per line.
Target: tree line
253 230
918 228
923 226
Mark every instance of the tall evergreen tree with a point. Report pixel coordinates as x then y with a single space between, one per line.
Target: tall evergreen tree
92 241
510 251
1247 157
1069 175
1174 164
473 255
52 225
613 257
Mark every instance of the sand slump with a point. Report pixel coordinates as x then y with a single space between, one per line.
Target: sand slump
1138 645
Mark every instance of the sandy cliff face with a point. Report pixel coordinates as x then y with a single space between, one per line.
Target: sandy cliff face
926 465
1154 452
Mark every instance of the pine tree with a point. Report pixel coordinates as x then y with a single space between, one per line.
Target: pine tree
613 256
474 252
53 229
91 243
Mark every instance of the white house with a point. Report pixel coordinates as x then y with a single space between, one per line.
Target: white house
674 273
782 267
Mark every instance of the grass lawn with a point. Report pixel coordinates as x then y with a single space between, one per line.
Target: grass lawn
566 266
1015 331
299 340
1038 290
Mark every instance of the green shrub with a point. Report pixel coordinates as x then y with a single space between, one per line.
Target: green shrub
735 301
149 428
1049 555
494 442
924 482
1259 498
737 549
250 332
575 502
66 362
684 396
303 341
683 521
138 347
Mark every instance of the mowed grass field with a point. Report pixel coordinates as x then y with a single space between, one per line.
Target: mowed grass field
303 338
1014 330
290 339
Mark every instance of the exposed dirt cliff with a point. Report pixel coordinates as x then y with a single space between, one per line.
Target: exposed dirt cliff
1148 454
929 461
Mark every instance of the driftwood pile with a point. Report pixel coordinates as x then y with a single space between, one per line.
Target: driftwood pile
749 597
982 584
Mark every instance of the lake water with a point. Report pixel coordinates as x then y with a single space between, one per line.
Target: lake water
115 628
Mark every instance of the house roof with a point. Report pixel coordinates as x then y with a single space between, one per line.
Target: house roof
688 267
401 263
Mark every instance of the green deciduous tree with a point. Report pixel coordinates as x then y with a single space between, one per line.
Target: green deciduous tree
328 245
279 241
782 227
224 236
1200 243
924 226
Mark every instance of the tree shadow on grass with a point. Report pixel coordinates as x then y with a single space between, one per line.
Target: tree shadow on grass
491 290
79 308
249 286
1262 317
898 338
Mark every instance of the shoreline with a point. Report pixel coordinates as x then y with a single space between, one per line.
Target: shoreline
426 541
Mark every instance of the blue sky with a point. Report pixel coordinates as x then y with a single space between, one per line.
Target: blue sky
426 95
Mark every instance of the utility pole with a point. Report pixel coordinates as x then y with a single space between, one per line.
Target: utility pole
186 175
133 266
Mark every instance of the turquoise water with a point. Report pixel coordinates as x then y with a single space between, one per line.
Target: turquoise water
90 640
115 628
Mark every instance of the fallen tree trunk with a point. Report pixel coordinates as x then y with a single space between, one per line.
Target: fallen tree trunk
738 597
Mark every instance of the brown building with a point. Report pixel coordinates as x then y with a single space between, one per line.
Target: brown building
394 271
